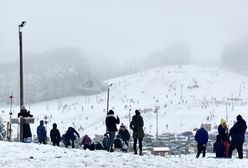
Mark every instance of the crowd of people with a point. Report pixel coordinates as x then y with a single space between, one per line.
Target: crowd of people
226 140
110 141
223 147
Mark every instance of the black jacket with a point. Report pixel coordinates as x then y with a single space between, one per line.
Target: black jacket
26 128
111 122
136 125
124 135
223 132
70 134
55 135
219 149
237 132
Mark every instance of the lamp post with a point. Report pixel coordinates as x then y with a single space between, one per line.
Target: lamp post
108 97
21 63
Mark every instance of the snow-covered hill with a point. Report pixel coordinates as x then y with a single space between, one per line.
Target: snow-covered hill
19 155
185 96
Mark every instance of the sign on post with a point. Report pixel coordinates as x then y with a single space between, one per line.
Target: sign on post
21 121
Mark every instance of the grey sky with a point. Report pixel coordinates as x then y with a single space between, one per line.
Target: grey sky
122 29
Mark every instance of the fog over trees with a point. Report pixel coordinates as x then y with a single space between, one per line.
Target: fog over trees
235 56
52 74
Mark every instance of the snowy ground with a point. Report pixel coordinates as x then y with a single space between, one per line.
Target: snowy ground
19 155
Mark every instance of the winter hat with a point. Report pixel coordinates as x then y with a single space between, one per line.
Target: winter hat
111 112
41 122
239 117
54 125
137 112
222 121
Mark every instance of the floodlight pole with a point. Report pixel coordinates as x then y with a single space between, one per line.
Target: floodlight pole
21 63
108 97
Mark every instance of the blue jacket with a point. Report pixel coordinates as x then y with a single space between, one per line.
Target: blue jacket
41 132
201 136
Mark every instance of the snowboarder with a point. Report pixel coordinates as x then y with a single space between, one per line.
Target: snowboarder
26 127
69 137
111 122
55 135
201 138
136 125
41 133
223 133
237 133
219 147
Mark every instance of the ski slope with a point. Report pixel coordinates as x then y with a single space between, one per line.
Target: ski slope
185 96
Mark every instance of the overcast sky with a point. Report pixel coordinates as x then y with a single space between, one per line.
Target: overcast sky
122 29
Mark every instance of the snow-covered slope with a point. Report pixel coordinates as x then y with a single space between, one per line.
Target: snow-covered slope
186 96
19 155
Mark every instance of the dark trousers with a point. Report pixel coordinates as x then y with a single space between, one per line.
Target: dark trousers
238 146
111 141
42 141
135 144
55 143
201 148
70 141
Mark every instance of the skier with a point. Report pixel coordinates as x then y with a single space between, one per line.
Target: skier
219 147
223 132
111 122
41 133
201 138
237 133
26 127
55 135
69 137
136 125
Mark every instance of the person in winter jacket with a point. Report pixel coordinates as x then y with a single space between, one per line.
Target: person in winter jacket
124 134
86 141
237 133
118 142
223 133
69 137
55 135
26 127
105 142
136 125
41 133
111 122
219 147
201 138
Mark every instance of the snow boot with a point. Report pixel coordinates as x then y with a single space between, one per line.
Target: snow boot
140 152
